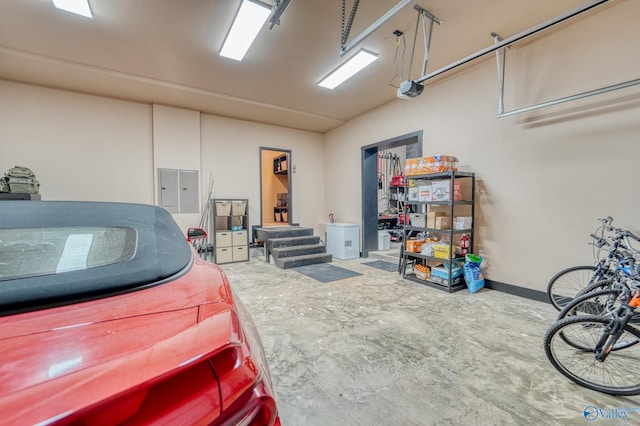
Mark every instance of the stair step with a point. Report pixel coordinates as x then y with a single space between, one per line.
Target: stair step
292 241
265 234
307 259
298 250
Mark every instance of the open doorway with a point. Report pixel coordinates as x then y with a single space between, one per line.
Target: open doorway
373 184
275 187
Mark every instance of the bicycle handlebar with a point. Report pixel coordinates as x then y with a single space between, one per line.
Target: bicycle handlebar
606 220
632 236
600 242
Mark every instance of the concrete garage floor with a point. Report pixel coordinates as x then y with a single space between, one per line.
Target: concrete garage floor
379 350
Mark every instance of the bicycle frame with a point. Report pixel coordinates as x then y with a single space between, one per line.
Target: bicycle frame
614 329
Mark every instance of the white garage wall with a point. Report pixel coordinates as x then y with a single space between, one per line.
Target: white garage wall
544 177
176 145
231 155
80 147
85 147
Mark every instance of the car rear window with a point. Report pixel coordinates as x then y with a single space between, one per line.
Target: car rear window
62 252
30 252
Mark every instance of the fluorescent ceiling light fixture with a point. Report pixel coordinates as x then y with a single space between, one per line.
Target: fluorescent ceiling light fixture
249 20
81 7
355 64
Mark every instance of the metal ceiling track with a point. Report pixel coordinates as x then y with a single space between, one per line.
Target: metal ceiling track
278 9
511 40
501 56
346 47
500 46
572 97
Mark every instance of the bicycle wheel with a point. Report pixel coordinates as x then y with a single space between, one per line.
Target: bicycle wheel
600 303
564 285
604 284
591 300
618 374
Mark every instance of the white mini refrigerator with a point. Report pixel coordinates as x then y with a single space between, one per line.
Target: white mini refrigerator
343 240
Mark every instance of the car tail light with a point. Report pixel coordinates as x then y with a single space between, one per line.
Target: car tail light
245 385
188 397
245 391
256 407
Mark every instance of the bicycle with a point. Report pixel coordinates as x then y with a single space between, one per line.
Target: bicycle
599 352
601 302
571 282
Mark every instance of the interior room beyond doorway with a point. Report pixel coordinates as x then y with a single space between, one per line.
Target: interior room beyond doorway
275 184
375 187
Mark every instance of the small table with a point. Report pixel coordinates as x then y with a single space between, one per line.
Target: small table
280 210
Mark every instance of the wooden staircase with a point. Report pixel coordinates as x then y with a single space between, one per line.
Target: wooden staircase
292 246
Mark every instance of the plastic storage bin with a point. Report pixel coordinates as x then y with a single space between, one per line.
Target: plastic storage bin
384 240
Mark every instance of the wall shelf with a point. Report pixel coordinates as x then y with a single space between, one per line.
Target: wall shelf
230 234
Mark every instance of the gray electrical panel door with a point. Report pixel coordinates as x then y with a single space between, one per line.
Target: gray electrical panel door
189 191
168 194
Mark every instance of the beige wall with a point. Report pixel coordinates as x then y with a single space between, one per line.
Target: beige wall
231 155
176 145
80 147
92 148
544 177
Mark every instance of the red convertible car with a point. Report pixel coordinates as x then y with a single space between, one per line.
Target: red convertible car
108 316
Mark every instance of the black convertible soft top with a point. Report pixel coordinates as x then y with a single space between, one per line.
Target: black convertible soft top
149 249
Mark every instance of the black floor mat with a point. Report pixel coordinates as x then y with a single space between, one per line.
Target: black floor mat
325 272
381 264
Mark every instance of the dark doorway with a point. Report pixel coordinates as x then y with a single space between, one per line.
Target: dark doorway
413 142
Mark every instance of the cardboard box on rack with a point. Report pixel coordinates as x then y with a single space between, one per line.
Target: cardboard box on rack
456 191
463 222
442 251
424 193
443 222
414 246
431 218
441 190
413 194
443 271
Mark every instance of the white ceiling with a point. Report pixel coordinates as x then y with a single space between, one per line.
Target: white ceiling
165 51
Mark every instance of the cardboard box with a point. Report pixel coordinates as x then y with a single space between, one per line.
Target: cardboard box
414 246
424 193
444 281
443 222
442 251
431 218
463 222
456 191
443 272
413 193
441 190
433 164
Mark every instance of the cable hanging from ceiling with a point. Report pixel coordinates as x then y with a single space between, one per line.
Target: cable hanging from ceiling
410 88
